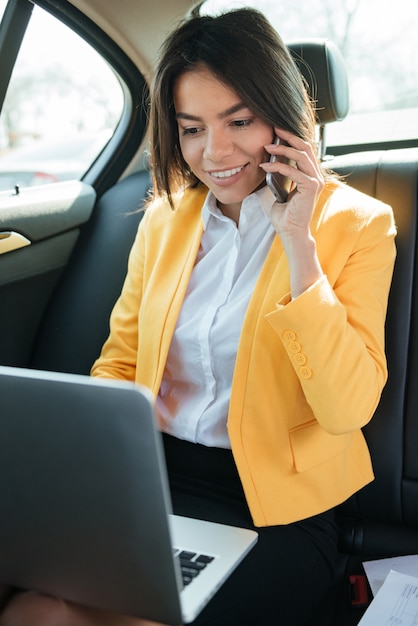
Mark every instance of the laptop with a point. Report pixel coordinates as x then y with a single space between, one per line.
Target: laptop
85 505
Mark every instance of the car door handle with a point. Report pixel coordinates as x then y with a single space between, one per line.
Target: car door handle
10 240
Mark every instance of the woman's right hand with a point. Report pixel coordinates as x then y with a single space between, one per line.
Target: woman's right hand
27 608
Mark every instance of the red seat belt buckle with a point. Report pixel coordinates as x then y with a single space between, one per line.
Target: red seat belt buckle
359 592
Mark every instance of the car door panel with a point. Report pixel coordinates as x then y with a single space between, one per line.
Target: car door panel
49 220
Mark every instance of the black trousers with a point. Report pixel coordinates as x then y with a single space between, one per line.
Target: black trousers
289 571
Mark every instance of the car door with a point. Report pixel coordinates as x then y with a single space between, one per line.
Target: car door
45 100
38 230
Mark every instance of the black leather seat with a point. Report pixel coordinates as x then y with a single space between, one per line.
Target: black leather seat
323 69
76 322
382 519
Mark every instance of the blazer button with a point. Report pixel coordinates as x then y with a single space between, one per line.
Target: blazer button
289 335
299 358
294 347
305 372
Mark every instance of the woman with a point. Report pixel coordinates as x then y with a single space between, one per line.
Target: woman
258 325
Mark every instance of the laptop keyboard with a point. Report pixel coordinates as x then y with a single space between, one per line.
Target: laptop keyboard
191 564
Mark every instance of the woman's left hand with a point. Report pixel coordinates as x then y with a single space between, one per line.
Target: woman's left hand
292 218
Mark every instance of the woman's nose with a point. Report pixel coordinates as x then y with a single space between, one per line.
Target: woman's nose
217 146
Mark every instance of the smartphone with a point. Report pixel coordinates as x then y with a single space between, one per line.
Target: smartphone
280 185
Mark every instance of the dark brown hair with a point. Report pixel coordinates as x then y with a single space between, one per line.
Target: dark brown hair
244 52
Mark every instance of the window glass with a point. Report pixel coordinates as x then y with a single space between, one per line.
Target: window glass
2 7
62 106
377 39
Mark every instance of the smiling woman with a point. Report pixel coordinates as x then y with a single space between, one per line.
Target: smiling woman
243 293
262 337
247 86
222 142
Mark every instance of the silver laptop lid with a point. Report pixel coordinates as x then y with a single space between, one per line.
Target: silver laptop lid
58 533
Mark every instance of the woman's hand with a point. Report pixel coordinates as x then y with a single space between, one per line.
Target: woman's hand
27 608
292 219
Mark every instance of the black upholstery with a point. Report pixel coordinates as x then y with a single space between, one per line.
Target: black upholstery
77 320
323 69
382 519
322 66
392 435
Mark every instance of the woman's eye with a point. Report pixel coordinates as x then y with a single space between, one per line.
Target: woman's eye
190 131
241 123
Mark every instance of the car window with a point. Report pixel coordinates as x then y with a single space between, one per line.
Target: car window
378 42
61 107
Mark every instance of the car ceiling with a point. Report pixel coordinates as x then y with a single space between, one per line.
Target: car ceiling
137 26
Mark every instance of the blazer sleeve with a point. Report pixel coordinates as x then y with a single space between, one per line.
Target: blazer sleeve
334 332
118 357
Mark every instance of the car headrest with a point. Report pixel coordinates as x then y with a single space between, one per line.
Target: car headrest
322 65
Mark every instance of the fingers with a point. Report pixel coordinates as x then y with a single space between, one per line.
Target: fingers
32 609
297 160
292 140
298 150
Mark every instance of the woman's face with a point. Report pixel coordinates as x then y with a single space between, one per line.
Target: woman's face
221 140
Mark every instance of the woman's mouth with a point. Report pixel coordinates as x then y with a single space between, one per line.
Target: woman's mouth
223 174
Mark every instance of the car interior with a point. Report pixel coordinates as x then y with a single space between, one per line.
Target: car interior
57 291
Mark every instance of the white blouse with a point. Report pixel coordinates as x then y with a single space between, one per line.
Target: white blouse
193 401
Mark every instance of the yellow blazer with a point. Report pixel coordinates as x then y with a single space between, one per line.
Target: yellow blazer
309 372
